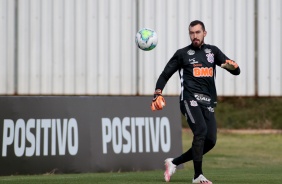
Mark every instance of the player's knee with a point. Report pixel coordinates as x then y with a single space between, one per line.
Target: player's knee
198 141
210 143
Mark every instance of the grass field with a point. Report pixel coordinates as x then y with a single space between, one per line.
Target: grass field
247 112
236 159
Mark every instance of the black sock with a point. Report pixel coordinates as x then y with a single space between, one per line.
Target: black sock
185 157
197 168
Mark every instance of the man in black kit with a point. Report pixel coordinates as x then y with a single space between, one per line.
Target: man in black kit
196 65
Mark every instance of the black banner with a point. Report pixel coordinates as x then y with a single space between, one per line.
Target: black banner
75 134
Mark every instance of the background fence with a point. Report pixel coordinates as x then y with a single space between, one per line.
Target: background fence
87 47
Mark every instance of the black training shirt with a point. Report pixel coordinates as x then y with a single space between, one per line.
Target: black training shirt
196 67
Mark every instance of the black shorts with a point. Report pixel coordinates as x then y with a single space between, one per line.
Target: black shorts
201 118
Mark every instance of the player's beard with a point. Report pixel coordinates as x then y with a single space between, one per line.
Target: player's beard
197 42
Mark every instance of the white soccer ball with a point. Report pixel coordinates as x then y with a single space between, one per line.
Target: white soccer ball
146 39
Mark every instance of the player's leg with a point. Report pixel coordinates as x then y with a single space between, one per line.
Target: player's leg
187 156
210 140
211 136
195 119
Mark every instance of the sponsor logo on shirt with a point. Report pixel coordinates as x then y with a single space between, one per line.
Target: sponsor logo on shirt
191 52
197 65
192 61
202 97
203 72
207 51
210 109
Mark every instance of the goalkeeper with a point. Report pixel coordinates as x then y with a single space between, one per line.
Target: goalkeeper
196 65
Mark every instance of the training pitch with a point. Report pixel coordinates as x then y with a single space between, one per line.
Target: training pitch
236 159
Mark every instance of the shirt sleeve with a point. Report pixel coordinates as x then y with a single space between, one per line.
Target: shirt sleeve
171 67
221 58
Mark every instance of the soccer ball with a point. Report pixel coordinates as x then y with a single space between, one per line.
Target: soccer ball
146 39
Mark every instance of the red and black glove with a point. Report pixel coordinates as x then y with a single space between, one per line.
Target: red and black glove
230 65
158 101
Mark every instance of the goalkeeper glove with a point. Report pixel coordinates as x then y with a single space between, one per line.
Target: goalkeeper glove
229 65
158 101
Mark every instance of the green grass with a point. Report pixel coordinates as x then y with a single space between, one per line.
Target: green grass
253 113
236 159
247 113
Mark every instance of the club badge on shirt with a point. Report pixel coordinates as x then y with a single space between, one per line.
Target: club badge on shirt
193 103
210 57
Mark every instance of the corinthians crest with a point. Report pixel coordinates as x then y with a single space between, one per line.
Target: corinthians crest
210 57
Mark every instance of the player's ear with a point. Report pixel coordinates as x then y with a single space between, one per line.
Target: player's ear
205 33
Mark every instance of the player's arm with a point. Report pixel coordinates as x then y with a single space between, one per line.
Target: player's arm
224 62
172 66
231 66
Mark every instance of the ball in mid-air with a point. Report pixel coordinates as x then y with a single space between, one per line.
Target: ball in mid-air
146 39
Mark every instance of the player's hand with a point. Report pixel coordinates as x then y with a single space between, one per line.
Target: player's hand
229 65
158 101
